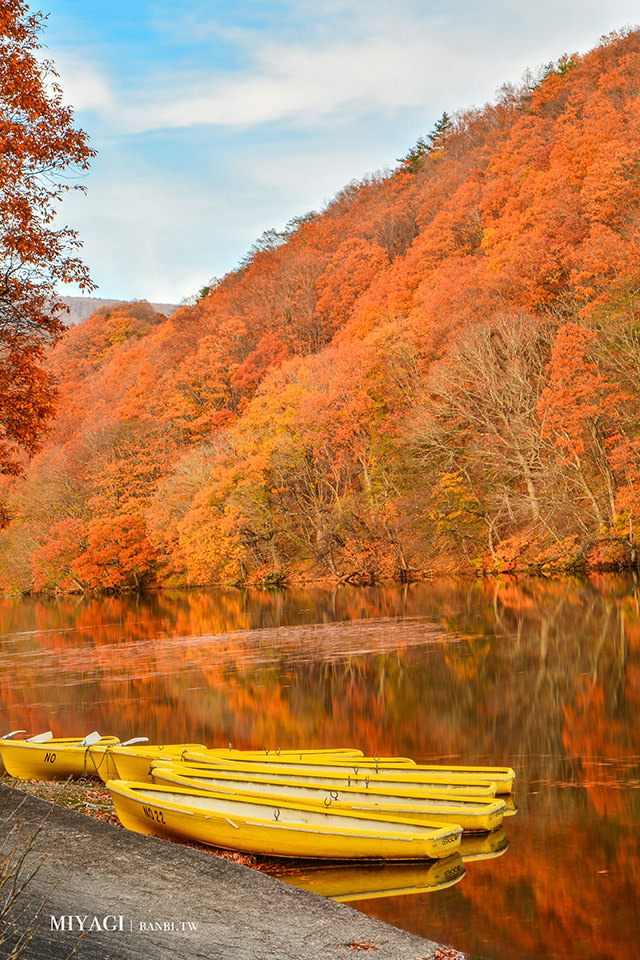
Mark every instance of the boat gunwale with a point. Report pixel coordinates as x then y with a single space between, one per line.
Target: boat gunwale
425 831
495 805
403 775
490 774
66 744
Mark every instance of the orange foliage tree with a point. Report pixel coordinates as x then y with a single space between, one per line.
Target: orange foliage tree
439 369
39 148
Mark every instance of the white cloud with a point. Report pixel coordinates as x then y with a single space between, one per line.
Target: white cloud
381 59
147 237
83 85
198 155
301 85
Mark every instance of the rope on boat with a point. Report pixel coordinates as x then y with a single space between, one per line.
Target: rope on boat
103 757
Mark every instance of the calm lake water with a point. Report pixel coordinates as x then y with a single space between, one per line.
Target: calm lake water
541 675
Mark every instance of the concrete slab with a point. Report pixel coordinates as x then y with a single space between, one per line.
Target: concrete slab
142 898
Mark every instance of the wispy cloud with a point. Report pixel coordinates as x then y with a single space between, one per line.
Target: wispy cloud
84 85
373 60
322 61
216 120
300 85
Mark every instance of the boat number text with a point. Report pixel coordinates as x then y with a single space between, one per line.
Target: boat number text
152 814
49 757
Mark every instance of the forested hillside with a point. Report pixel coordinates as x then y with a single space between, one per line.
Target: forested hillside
440 370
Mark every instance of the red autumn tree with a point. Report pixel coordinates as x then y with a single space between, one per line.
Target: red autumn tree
118 554
39 149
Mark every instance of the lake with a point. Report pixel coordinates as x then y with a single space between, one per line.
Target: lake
542 675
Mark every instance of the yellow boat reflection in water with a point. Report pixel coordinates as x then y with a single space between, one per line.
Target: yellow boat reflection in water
486 846
374 881
349 882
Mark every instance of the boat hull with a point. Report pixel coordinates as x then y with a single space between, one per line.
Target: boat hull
120 762
269 755
279 829
56 759
134 763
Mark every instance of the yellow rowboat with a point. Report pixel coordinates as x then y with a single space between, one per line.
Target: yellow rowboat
328 774
503 777
350 882
51 759
126 761
268 754
39 738
347 756
276 828
472 814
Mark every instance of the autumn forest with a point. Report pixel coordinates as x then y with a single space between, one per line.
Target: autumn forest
440 371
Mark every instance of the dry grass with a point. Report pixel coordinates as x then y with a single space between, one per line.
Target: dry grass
86 796
19 919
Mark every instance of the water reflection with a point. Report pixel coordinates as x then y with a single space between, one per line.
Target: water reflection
352 882
544 676
349 883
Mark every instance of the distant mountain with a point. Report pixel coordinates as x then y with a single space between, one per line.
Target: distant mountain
82 307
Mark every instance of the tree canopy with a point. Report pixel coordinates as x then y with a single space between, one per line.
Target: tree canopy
40 151
439 370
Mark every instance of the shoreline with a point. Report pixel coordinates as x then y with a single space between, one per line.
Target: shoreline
543 572
142 898
90 798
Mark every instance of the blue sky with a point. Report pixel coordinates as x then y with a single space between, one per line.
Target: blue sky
215 121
